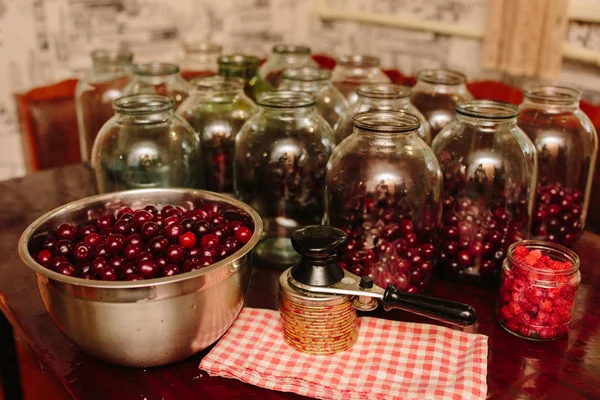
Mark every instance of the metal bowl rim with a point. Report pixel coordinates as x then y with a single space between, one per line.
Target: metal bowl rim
204 194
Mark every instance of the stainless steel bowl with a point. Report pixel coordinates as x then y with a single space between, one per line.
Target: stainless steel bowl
142 323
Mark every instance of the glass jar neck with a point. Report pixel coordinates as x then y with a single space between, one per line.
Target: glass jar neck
143 109
202 51
386 126
487 113
441 81
551 98
104 61
240 66
155 73
372 103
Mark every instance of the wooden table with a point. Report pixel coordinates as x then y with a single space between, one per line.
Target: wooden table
566 369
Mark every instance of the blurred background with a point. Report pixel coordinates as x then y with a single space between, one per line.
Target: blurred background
46 41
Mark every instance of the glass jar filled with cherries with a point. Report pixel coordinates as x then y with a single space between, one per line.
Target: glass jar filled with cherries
279 169
567 146
383 189
200 60
245 67
381 97
330 103
352 71
489 168
158 78
94 94
285 56
217 109
436 94
145 145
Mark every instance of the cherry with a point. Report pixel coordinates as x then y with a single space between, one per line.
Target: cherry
464 258
93 240
170 270
147 269
143 256
151 209
160 262
202 228
44 258
416 276
126 271
135 277
243 234
66 232
206 261
175 254
149 230
82 252
172 232
105 222
159 245
98 264
66 268
50 244
86 230
194 252
131 251
210 240
56 260
210 252
187 240
63 247
122 211
115 244
108 274
170 221
134 238
188 224
140 217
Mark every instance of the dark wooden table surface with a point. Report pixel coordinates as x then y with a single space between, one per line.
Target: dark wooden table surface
566 369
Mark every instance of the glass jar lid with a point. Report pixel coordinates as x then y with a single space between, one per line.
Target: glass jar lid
442 76
359 61
386 121
487 109
142 104
106 56
290 49
307 74
286 99
383 91
555 95
155 69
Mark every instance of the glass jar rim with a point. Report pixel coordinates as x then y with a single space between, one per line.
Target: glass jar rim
386 121
442 76
306 74
239 60
549 94
142 104
218 82
202 48
383 91
155 69
286 99
290 49
487 109
545 246
108 56
359 60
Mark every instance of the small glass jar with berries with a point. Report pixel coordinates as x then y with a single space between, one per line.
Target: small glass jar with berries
566 144
489 169
383 188
537 293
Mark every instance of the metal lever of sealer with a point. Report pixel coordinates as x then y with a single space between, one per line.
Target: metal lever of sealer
319 272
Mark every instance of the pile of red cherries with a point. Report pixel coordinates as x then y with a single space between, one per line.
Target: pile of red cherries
557 215
536 299
146 243
474 240
383 244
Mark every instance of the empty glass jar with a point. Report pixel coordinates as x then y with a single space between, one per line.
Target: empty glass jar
436 94
282 57
279 169
245 67
217 108
567 145
383 189
489 168
352 71
159 78
381 97
200 60
145 145
95 92
330 103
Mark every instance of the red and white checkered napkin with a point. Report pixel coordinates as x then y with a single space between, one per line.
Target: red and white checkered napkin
390 360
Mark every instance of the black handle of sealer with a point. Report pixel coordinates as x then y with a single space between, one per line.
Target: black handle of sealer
448 311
